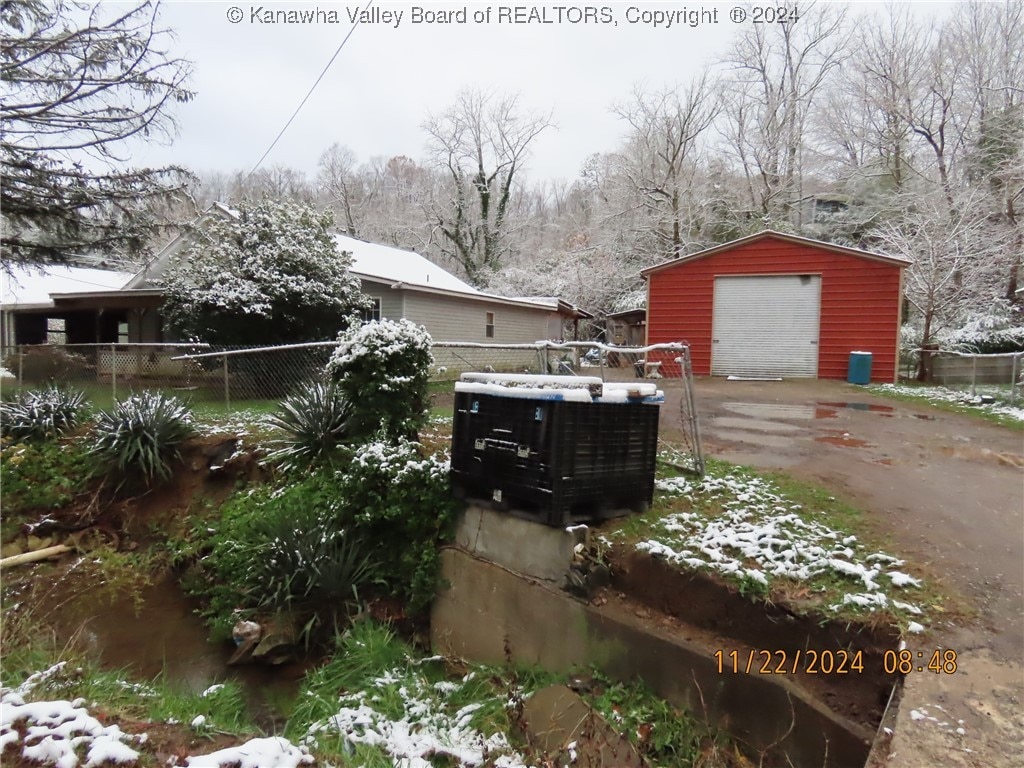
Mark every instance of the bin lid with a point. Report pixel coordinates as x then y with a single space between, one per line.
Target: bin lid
582 389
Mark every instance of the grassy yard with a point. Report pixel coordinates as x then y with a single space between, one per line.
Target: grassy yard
777 539
1002 412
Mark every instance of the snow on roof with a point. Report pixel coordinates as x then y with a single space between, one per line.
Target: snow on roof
550 301
31 285
395 265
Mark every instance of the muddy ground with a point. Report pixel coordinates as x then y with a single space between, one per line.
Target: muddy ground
948 491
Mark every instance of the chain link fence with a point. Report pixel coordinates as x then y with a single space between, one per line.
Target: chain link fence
240 377
110 372
996 376
232 374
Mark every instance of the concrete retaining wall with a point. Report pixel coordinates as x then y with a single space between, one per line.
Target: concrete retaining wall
488 611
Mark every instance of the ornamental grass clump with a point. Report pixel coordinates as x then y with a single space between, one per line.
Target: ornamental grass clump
142 436
42 414
315 421
382 368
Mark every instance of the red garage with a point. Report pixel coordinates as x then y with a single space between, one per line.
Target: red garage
779 305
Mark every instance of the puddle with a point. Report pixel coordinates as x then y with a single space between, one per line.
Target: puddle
838 437
755 425
887 409
753 438
780 411
166 638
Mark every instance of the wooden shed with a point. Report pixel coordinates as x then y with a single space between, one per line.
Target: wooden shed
778 305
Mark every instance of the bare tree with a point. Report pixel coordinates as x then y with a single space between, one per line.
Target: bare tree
481 143
79 83
953 250
341 186
661 155
860 122
992 35
774 75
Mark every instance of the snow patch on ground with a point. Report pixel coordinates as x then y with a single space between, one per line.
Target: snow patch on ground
426 728
55 731
946 395
270 752
761 535
241 423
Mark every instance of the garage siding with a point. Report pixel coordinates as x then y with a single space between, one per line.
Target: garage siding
860 302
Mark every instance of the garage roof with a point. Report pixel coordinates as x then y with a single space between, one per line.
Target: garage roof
768 233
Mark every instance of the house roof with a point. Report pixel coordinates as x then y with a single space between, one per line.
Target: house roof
768 233
397 268
30 286
561 306
640 314
396 265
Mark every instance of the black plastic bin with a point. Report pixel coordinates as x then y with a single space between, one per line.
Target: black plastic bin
555 461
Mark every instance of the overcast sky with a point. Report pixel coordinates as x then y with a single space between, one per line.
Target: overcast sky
250 74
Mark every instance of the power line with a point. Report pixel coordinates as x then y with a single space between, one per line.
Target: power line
304 98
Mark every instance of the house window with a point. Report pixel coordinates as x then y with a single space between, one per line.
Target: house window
56 331
489 326
122 332
372 314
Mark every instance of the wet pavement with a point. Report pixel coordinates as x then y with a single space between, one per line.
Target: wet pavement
948 490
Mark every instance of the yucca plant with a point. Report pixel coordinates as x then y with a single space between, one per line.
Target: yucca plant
315 420
142 435
41 414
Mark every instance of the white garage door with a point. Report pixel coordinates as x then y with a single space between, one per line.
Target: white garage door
766 326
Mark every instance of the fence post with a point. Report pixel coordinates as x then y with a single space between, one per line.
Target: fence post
113 373
21 367
974 376
1013 380
227 392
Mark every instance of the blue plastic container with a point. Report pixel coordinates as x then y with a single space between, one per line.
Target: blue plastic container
859 371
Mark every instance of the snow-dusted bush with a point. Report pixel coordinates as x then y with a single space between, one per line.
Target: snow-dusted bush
999 329
382 369
269 274
401 501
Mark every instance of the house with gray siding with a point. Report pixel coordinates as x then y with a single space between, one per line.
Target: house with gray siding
401 283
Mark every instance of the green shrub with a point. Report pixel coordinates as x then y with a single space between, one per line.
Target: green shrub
39 477
48 362
313 547
41 414
315 421
284 550
382 369
142 435
403 503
